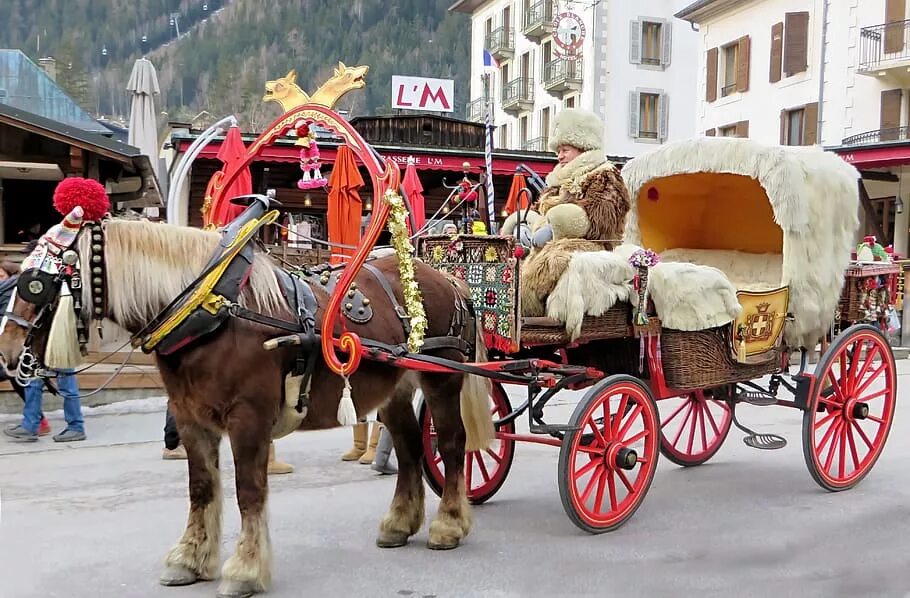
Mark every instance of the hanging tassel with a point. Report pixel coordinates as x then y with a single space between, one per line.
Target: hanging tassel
347 415
63 341
741 345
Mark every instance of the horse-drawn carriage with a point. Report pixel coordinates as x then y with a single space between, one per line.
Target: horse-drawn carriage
733 259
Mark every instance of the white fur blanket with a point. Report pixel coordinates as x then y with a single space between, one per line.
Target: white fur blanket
686 296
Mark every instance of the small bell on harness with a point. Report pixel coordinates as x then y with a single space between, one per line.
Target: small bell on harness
347 415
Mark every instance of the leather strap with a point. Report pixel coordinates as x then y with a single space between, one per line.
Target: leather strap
384 283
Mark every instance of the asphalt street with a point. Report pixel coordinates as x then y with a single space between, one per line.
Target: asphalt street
95 519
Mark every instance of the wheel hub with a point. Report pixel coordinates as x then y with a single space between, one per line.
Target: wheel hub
618 456
857 410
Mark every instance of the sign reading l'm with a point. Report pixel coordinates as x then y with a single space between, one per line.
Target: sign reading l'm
423 93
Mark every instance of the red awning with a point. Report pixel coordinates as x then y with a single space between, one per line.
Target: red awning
876 157
428 161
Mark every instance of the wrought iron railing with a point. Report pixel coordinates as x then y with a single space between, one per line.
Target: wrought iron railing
474 110
879 136
500 41
518 90
539 15
880 44
538 144
561 69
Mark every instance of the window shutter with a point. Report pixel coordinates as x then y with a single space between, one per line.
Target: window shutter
895 11
796 44
890 114
810 123
777 51
666 47
635 42
783 126
663 116
742 68
711 133
742 128
634 108
711 78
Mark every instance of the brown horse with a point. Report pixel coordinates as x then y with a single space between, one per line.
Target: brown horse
226 382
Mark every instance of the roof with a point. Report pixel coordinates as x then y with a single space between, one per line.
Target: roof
467 6
86 140
23 84
702 10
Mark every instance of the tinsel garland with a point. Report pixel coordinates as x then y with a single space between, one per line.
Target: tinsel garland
413 302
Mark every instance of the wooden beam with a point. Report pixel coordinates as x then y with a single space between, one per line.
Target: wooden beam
874 175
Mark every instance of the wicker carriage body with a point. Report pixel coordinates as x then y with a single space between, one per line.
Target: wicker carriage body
869 292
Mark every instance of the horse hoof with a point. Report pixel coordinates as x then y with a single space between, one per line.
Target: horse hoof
447 544
176 575
236 589
391 539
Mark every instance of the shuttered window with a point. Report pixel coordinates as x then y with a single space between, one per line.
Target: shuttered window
777 51
890 114
796 42
742 63
711 133
742 128
735 70
711 76
649 115
895 12
649 42
810 124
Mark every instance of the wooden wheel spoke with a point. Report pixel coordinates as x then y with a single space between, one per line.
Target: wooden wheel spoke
617 419
826 419
819 448
469 469
833 445
867 362
599 497
855 456
625 480
854 360
586 468
876 419
696 410
843 451
612 484
862 388
711 419
686 403
437 459
838 391
875 395
682 428
598 472
862 434
482 467
633 415
635 438
494 456
599 452
599 437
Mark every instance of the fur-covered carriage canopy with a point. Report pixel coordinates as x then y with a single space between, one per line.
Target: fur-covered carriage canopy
767 216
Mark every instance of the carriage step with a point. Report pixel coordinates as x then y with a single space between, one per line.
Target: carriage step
754 397
767 442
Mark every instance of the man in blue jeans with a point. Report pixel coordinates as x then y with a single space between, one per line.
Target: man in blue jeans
67 386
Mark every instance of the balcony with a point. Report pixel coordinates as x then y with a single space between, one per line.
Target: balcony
518 95
500 43
538 144
879 136
538 19
561 75
474 111
884 50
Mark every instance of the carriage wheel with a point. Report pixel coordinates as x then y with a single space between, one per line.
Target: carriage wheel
485 471
606 465
849 414
696 428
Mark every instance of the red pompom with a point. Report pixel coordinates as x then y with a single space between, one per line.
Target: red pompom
87 193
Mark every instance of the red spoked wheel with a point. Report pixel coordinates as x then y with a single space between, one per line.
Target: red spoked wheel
695 428
849 413
607 464
485 471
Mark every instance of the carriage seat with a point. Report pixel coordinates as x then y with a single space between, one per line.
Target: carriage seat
746 271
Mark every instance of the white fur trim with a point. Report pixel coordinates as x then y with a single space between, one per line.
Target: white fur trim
747 271
592 283
573 173
815 200
692 297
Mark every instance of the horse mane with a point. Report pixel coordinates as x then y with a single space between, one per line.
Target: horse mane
150 263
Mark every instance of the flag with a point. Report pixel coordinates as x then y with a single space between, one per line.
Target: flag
489 63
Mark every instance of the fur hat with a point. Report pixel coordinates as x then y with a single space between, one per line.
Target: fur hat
576 127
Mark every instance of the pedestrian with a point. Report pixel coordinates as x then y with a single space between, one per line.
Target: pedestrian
68 387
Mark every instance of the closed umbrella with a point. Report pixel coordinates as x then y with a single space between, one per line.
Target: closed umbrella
414 190
143 131
345 207
516 199
231 151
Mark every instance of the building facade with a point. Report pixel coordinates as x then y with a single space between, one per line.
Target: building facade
629 62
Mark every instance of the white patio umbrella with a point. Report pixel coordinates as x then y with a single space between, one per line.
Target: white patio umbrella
143 132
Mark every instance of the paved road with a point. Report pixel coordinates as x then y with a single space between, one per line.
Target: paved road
95 520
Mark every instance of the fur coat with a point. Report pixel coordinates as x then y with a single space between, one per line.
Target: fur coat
593 184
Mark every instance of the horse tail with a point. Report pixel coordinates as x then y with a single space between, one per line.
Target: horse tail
475 399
